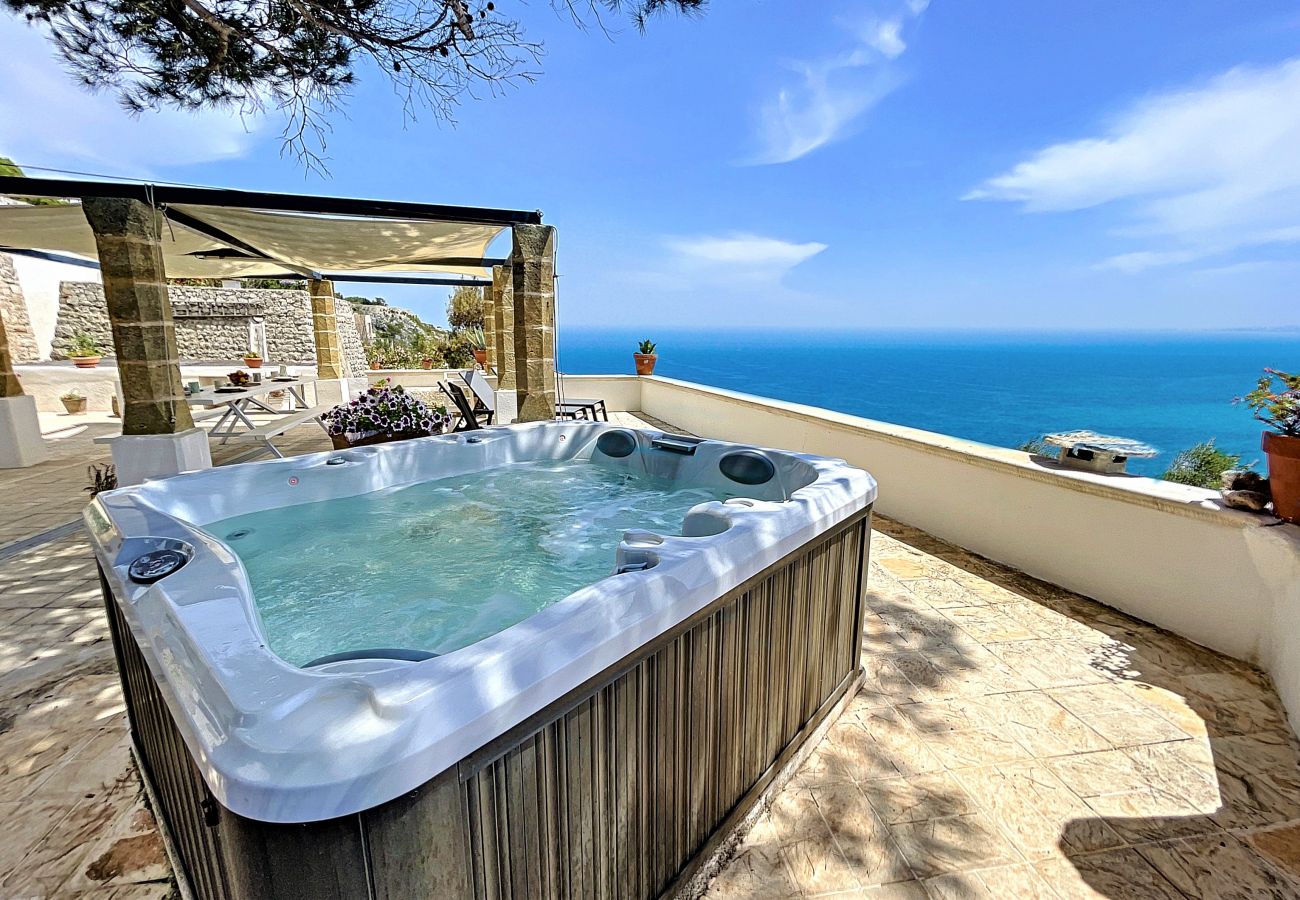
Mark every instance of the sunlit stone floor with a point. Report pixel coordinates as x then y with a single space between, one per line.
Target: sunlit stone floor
1016 740
1013 740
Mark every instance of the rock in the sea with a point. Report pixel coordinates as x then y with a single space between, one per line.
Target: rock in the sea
1250 500
1245 480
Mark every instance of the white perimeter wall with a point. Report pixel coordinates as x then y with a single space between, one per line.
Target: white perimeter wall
39 279
1165 553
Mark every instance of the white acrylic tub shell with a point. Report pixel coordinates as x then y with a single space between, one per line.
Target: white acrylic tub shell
282 744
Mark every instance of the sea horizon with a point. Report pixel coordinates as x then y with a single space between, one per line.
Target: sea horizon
1171 388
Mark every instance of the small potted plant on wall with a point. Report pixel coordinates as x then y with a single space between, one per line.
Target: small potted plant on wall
645 358
253 359
74 402
84 351
477 342
1275 401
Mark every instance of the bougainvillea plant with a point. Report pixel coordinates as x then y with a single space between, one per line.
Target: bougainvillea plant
385 409
1275 401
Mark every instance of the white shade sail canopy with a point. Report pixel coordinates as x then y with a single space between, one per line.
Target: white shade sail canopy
201 241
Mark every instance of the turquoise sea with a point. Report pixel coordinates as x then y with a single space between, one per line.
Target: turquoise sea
1170 390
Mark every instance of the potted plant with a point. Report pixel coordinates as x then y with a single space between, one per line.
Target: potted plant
1275 401
74 402
645 358
383 413
84 351
477 342
253 359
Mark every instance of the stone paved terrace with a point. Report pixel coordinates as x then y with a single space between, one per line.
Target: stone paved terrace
1012 740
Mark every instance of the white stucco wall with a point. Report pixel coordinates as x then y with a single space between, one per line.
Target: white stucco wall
1165 553
40 280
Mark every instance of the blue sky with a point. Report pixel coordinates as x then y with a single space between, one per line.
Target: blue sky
841 165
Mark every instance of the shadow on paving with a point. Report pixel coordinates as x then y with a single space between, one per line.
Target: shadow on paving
1013 739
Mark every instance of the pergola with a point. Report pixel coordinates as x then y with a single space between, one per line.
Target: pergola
142 234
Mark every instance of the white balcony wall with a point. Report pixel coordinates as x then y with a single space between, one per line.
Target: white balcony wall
1165 553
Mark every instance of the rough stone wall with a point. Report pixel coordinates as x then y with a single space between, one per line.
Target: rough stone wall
13 308
354 351
211 323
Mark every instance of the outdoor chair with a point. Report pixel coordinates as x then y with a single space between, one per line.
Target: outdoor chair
567 408
485 401
468 418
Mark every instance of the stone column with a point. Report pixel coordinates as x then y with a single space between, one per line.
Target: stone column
325 329
332 385
504 314
10 386
490 325
532 275
21 444
158 434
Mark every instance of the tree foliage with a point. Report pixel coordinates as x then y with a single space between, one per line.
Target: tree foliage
465 308
302 56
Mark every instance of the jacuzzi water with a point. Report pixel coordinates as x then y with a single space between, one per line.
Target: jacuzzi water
439 565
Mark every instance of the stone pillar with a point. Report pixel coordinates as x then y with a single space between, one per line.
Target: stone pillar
504 314
332 384
10 386
490 326
532 276
158 434
21 444
325 328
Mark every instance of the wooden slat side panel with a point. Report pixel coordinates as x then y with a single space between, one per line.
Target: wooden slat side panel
618 794
177 783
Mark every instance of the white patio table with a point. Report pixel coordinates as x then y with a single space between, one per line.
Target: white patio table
238 402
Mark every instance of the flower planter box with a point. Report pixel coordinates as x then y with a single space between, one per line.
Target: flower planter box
344 441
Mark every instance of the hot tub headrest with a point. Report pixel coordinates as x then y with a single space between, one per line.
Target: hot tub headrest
617 443
747 467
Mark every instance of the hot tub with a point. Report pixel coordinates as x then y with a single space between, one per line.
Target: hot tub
456 666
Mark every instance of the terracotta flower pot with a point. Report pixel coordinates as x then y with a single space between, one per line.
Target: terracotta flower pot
1284 474
426 363
86 362
480 357
253 362
645 363
75 407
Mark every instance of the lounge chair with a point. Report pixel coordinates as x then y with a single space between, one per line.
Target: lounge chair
468 418
568 408
485 401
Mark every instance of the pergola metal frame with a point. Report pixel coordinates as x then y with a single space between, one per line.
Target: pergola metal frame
162 196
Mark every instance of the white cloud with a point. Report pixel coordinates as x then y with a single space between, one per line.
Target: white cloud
887 37
745 252
1204 170
1141 260
828 95
47 119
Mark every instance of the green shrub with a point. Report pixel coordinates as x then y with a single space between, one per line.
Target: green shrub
1202 466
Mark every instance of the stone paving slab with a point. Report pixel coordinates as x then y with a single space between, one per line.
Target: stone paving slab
1016 740
1012 740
